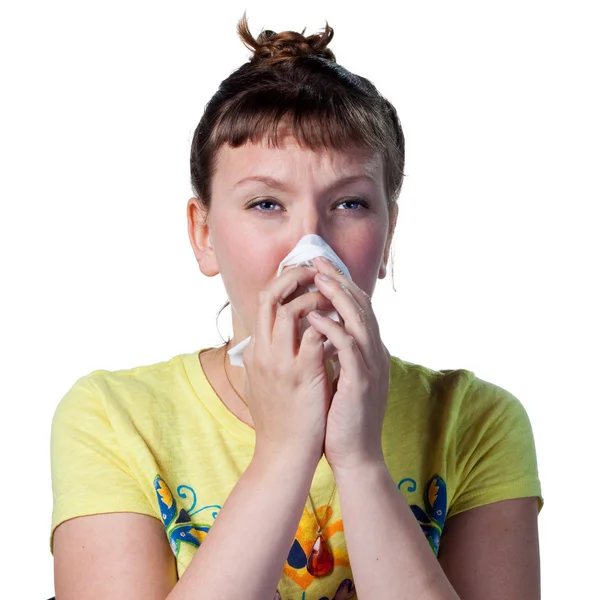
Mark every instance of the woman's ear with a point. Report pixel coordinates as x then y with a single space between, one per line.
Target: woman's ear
388 242
199 234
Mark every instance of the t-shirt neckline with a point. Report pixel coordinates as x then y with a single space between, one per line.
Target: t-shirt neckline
209 398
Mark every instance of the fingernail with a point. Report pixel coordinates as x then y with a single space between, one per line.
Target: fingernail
324 277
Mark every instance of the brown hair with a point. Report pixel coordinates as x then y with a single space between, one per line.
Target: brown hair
296 80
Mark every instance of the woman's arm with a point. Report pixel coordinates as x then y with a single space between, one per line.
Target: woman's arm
113 555
243 554
490 552
246 549
389 555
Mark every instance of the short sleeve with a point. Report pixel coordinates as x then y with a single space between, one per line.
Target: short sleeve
494 449
89 473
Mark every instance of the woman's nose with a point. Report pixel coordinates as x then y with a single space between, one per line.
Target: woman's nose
311 222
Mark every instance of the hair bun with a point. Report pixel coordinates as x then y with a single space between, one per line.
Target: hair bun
271 48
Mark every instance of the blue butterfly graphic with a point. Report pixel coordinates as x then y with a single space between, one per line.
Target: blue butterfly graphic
433 518
178 523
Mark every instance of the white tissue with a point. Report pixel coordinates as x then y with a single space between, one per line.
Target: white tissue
307 249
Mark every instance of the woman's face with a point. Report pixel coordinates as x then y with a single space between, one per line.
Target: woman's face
265 199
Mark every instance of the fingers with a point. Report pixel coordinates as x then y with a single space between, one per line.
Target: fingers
352 304
270 299
350 355
288 320
311 353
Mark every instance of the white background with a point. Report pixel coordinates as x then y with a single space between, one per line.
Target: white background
496 252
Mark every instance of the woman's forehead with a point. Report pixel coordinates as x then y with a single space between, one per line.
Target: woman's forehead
290 153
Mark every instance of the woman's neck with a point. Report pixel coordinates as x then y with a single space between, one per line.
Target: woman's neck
226 382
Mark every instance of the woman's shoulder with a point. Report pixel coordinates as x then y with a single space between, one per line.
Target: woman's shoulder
404 373
148 387
145 374
460 389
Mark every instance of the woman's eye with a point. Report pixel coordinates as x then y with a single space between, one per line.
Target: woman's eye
262 203
266 206
357 202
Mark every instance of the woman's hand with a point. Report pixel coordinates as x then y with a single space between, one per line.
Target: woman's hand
287 389
355 419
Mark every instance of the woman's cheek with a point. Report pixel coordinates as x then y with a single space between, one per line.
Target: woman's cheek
251 276
365 269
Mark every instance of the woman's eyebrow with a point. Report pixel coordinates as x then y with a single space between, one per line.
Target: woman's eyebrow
280 185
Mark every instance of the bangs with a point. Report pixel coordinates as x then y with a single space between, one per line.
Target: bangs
317 102
314 121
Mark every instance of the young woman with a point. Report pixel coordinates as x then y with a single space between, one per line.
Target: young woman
197 479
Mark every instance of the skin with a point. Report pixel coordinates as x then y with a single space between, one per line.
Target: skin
245 245
489 552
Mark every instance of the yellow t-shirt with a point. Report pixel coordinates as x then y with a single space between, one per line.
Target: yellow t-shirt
157 440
